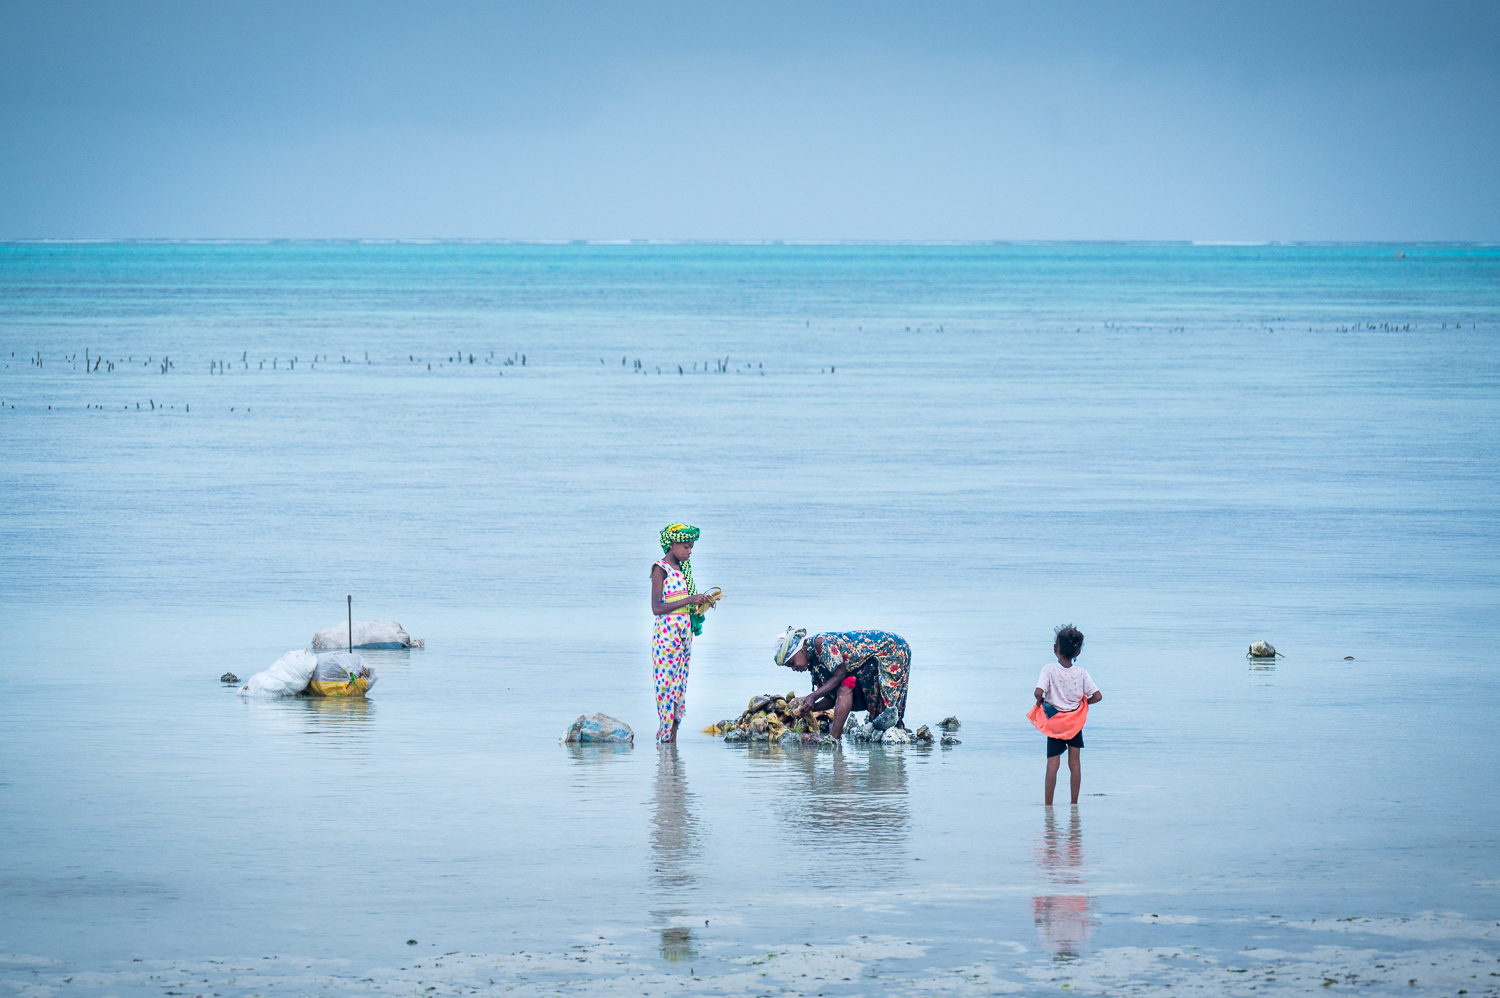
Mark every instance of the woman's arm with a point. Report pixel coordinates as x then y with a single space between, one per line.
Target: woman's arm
1096 697
811 703
658 607
822 691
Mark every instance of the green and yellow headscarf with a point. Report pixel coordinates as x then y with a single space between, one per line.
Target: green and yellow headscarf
681 533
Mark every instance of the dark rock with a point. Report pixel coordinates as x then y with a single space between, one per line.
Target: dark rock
229 677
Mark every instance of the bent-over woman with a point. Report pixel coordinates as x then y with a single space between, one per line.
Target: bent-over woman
851 670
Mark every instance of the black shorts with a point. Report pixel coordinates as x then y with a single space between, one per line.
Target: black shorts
1056 746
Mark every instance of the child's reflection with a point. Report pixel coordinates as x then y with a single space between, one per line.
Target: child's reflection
1062 920
674 841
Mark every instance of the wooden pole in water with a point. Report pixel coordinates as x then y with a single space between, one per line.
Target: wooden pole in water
350 598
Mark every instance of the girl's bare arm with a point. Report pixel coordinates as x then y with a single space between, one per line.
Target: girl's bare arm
658 579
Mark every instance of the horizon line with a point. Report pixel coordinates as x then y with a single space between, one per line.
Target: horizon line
545 241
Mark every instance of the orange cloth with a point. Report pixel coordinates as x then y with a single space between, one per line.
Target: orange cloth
1059 725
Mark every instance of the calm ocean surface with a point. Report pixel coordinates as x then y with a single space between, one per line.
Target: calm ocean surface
1181 449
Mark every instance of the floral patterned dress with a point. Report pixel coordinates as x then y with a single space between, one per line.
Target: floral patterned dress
671 647
879 661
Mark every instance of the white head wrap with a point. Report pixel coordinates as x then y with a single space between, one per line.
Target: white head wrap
788 644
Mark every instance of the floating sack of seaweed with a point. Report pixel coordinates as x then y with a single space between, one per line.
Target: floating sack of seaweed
923 736
599 729
341 674
762 702
1263 649
367 634
286 677
950 723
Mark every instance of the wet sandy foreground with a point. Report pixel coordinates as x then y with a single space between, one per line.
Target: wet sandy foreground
1425 954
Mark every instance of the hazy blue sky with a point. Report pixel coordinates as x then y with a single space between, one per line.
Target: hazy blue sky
1201 120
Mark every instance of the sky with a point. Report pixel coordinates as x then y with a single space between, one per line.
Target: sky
1301 120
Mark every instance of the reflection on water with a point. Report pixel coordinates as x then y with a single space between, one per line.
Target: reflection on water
674 844
337 710
339 722
1062 920
596 753
1262 673
858 799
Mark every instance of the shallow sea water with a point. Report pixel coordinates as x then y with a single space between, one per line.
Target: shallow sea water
1180 449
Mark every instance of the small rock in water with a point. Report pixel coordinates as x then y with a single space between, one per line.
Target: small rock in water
828 741
895 736
950 724
229 677
859 732
411 942
1262 649
1348 658
923 736
951 740
735 735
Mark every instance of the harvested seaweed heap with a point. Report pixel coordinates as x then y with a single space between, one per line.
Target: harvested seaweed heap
768 719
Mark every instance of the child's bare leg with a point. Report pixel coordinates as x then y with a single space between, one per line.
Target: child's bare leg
1075 771
1052 763
841 708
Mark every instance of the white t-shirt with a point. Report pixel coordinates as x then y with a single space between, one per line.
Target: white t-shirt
1065 688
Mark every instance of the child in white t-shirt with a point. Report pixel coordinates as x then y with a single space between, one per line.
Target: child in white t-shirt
1062 688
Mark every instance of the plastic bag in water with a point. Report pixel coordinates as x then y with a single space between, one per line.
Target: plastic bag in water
286 677
367 634
596 728
341 674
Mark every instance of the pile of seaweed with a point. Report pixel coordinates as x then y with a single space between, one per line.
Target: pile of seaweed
767 718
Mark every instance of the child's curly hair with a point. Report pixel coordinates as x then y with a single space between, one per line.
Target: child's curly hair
1069 640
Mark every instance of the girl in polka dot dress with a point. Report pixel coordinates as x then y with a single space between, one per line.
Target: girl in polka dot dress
675 602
